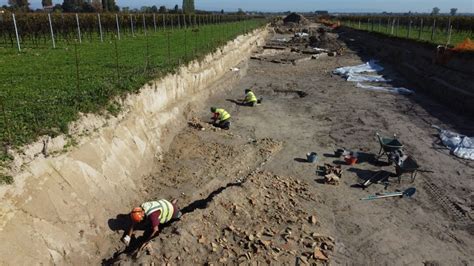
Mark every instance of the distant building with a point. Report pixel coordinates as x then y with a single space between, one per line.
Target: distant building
321 12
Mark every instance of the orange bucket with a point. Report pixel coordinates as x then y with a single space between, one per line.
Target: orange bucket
350 160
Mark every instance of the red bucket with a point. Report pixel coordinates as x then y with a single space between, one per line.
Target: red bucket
350 160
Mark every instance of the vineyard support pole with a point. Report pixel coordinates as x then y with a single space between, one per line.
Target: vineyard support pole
100 28
117 69
449 36
184 21
164 22
144 24
51 30
78 28
409 29
169 48
118 26
179 21
380 24
359 24
77 66
154 21
393 26
131 25
421 28
398 27
16 33
433 29
172 22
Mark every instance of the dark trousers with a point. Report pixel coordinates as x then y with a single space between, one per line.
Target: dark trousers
223 124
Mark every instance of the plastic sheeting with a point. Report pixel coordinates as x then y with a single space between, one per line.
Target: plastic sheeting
301 34
358 74
402 91
366 78
369 67
460 145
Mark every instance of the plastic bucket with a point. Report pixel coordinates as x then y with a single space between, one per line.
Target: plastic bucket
350 160
311 157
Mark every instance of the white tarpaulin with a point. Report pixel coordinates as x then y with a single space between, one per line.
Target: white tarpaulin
403 91
460 145
369 67
366 78
358 74
301 34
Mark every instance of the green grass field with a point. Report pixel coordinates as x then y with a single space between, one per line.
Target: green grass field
440 35
43 89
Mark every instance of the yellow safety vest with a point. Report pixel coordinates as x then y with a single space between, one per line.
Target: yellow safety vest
250 97
162 205
223 114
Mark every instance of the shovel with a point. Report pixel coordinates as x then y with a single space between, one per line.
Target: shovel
407 193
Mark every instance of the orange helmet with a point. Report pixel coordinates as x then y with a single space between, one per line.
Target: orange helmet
137 214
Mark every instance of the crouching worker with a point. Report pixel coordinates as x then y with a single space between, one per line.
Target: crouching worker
220 118
154 213
250 98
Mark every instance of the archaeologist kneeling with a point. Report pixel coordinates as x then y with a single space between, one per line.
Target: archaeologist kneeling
250 98
221 118
154 212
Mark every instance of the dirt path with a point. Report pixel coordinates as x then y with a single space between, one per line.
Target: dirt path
249 197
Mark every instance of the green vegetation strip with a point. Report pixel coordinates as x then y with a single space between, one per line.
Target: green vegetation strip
43 89
414 32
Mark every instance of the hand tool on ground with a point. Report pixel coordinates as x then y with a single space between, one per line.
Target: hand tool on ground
407 193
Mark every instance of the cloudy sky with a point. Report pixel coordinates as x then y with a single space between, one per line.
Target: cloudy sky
464 6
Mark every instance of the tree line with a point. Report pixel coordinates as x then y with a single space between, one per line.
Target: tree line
87 6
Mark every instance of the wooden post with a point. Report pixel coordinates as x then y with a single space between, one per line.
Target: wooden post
118 26
393 25
154 21
433 30
100 28
78 28
51 30
359 24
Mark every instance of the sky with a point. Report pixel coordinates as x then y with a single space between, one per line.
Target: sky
463 6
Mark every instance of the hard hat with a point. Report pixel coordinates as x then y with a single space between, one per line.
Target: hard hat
137 214
213 109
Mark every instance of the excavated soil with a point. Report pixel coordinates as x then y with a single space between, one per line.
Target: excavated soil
249 196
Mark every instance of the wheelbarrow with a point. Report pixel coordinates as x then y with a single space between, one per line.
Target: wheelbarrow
388 145
408 166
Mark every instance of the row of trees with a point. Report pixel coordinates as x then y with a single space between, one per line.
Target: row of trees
436 11
98 6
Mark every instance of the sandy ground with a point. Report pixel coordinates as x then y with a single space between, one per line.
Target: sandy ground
248 196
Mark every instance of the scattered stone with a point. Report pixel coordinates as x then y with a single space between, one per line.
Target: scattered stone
312 219
319 255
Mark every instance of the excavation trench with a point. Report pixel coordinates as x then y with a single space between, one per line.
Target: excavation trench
59 209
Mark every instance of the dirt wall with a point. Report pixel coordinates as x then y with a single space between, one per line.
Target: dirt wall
450 84
57 210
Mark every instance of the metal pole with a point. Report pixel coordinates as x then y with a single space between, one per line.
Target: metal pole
16 33
154 21
78 28
100 28
51 30
118 26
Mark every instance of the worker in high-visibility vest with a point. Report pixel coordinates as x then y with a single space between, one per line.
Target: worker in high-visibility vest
221 118
156 213
250 98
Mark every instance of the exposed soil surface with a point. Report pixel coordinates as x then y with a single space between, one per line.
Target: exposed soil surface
249 196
